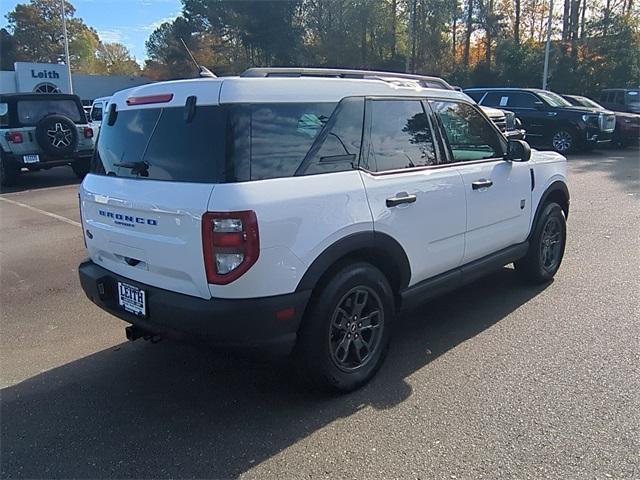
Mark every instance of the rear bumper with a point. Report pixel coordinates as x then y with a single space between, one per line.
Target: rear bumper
245 323
46 161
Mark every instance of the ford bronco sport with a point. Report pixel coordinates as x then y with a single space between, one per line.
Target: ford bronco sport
305 209
43 130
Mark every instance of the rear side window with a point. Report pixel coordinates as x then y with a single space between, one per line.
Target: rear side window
400 135
159 144
469 134
337 148
281 136
30 112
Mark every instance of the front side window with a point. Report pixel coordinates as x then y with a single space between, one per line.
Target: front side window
469 134
400 135
96 112
30 112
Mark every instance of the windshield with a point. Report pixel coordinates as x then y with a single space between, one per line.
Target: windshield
553 99
30 112
587 102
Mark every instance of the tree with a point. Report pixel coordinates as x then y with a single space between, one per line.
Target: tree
115 59
7 49
37 32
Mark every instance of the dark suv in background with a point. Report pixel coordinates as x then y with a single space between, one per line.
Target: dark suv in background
43 130
549 119
621 99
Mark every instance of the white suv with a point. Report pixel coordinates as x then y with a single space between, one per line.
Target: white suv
303 209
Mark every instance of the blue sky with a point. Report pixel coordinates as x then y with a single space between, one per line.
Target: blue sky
125 21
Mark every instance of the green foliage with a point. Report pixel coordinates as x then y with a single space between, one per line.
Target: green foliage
36 36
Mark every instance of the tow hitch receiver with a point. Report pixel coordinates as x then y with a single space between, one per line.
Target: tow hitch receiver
133 333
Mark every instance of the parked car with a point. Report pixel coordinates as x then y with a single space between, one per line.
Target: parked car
98 107
621 99
627 130
505 120
549 119
40 131
305 208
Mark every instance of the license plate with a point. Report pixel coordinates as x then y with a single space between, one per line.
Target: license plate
132 299
31 158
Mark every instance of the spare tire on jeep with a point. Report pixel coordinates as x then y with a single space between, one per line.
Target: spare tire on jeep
57 135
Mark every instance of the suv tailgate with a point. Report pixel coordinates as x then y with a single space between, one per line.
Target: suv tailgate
148 231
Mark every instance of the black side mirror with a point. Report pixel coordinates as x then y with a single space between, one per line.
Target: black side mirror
518 151
540 106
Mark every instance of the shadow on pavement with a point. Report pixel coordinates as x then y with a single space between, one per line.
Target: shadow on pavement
54 177
170 410
622 165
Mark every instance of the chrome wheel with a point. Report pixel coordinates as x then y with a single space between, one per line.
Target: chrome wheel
562 141
356 328
59 136
551 244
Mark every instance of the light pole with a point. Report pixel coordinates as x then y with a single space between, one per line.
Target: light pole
66 45
547 47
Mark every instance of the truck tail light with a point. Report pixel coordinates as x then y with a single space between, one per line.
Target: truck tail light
231 244
14 137
88 132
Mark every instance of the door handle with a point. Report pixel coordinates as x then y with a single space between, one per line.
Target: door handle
395 201
482 183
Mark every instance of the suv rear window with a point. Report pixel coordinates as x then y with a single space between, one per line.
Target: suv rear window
159 144
30 112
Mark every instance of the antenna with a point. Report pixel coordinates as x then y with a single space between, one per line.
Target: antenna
202 70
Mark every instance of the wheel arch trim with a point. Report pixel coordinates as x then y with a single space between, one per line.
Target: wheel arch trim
382 249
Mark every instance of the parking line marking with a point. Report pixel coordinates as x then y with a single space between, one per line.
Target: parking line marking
44 212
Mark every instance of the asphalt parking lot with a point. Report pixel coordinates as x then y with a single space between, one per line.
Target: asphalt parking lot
498 380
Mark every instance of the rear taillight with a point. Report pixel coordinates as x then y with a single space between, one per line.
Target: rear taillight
14 137
231 244
88 132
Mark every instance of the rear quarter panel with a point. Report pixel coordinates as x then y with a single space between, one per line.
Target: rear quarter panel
298 218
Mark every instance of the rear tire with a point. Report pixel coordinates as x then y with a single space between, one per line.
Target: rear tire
9 174
80 168
345 333
546 246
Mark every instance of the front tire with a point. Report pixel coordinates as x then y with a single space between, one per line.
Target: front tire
563 141
546 247
345 334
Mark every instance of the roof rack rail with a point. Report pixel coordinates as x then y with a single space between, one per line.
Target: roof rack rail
423 80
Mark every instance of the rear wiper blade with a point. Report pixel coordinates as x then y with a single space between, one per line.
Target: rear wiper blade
137 168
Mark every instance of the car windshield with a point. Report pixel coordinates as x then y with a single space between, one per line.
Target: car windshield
553 99
587 102
30 112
